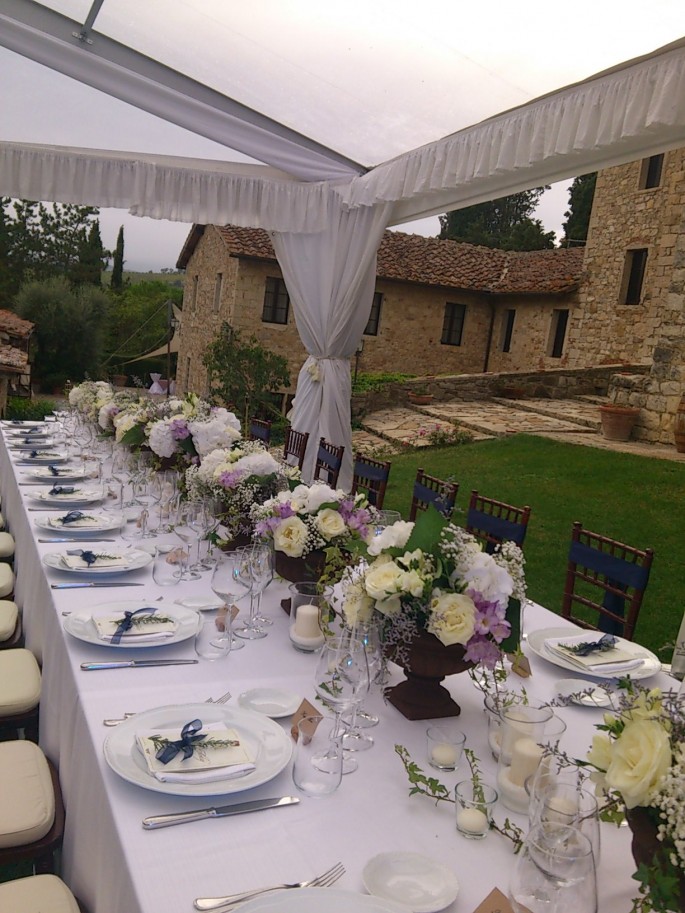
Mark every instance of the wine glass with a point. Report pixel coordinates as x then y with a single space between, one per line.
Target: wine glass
258 565
187 534
341 680
231 583
554 872
355 739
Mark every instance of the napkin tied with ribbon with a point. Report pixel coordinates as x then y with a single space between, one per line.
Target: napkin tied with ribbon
58 490
149 626
78 559
587 651
216 753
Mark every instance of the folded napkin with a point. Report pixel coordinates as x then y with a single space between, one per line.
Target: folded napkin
608 661
207 762
78 562
82 522
146 627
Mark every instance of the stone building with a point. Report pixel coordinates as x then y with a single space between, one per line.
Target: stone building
631 304
15 371
440 307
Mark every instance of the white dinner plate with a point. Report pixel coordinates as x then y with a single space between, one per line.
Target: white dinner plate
584 693
650 663
273 702
43 457
410 879
81 625
265 740
105 523
316 900
200 603
136 558
78 498
41 443
68 474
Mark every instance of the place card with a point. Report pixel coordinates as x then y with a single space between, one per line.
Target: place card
496 902
305 709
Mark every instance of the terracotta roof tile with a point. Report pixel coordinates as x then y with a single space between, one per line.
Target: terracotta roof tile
15 326
450 264
12 358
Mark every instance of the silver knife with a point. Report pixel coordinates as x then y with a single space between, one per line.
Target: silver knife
134 663
75 539
221 811
80 586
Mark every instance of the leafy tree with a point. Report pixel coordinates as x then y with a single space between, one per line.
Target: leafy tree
92 259
506 223
70 329
117 280
580 196
138 319
39 241
243 374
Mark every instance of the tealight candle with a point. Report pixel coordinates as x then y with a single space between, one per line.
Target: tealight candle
444 746
471 821
474 808
444 755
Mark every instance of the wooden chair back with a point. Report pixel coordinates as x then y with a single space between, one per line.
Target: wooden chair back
295 446
606 577
494 522
328 463
260 430
371 477
430 490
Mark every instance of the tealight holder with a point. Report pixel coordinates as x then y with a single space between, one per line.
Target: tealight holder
522 732
305 610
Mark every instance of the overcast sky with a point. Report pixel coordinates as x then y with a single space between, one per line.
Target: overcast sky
38 105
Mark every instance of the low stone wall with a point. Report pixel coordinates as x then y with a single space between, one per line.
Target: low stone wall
554 384
657 400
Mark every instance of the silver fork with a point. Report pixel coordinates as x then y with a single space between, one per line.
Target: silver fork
127 716
325 880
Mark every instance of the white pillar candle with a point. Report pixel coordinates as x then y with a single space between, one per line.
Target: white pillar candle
472 821
525 757
307 621
444 755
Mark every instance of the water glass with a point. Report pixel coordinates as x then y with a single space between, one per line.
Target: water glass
318 760
213 636
553 803
554 871
167 566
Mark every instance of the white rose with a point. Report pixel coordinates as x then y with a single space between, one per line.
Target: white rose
600 757
320 494
330 524
395 536
411 582
453 617
358 608
382 579
290 537
123 425
639 759
390 606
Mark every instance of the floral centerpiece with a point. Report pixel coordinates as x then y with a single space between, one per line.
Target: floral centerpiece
442 604
90 396
305 521
639 760
238 478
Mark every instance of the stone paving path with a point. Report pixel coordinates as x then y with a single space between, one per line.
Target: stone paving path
575 421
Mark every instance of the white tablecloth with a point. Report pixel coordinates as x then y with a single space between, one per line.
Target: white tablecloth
117 867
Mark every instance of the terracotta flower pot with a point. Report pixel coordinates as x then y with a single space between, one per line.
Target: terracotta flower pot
420 399
425 665
618 421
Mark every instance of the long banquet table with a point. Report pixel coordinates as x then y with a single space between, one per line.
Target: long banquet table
115 866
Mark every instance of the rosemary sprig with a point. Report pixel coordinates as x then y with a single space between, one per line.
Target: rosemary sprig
145 620
160 742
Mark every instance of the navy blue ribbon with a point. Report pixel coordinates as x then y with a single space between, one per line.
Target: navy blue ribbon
89 557
33 454
62 490
53 470
186 744
71 517
127 622
607 642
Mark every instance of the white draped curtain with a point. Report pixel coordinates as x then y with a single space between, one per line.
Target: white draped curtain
331 277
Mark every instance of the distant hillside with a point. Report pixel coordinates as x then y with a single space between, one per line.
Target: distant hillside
175 279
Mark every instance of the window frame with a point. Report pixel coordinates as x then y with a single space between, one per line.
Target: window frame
652 172
372 324
274 290
452 327
634 272
508 329
218 289
558 330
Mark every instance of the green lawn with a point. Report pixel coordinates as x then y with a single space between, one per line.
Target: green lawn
639 500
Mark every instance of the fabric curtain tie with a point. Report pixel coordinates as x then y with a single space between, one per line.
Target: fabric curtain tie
186 744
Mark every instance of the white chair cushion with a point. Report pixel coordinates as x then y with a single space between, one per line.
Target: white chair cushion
27 799
9 614
6 545
37 894
19 682
6 580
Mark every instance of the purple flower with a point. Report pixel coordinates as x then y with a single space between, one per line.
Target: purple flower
230 478
179 429
266 527
481 650
283 511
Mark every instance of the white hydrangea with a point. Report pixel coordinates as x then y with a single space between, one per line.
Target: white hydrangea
320 494
257 464
395 536
215 433
161 440
486 577
106 414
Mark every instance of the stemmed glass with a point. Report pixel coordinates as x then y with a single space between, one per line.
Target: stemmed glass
554 872
185 531
341 681
258 565
231 583
355 739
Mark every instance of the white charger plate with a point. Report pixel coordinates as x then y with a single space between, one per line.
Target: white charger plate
68 474
40 443
650 663
106 523
43 458
273 702
78 498
315 900
266 741
584 693
411 880
80 624
137 558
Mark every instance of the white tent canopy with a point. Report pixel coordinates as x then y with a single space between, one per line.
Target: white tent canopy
294 86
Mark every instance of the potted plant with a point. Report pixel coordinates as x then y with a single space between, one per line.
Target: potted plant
618 421
420 395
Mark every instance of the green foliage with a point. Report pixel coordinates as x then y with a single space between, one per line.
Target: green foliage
117 280
92 259
243 374
506 223
39 241
369 383
70 328
580 197
20 408
138 321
